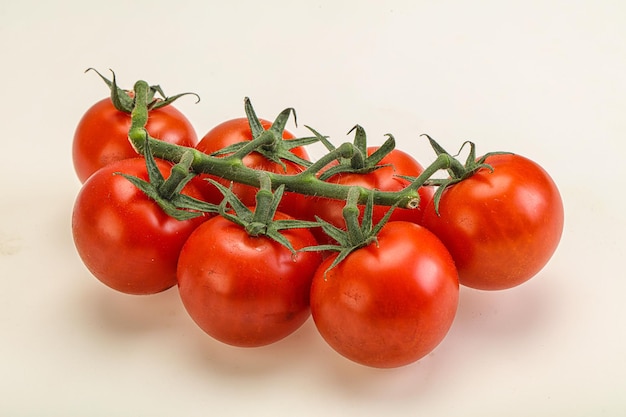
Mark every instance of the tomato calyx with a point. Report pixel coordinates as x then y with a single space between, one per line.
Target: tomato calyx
457 170
260 221
167 192
360 162
357 234
124 100
269 142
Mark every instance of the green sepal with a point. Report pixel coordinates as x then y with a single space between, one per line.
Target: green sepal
120 98
185 202
274 155
166 205
457 171
260 222
360 162
125 103
279 149
275 148
356 235
167 100
166 192
154 174
323 139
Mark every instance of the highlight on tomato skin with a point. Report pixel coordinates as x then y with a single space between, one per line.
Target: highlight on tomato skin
390 303
501 226
101 136
246 291
122 236
238 130
388 177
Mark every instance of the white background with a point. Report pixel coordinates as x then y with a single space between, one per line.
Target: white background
546 79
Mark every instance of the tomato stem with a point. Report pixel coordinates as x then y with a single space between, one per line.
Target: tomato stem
232 168
139 114
179 176
351 214
304 183
265 208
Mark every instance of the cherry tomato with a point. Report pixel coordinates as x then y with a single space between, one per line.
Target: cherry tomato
101 136
386 178
238 130
123 237
501 227
390 303
243 290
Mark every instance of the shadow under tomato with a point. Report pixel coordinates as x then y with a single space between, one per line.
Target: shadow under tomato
305 360
205 352
124 314
505 319
417 380
510 314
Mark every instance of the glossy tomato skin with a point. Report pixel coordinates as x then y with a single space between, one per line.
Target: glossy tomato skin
501 227
386 178
238 130
101 136
390 303
246 291
123 237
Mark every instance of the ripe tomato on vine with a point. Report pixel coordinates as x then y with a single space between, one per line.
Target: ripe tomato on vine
123 236
502 223
382 168
286 155
101 136
245 225
390 302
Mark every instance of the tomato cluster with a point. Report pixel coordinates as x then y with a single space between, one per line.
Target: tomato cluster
253 263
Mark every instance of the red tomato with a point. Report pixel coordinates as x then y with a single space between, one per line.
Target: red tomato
101 136
238 130
386 178
501 227
123 237
243 290
390 303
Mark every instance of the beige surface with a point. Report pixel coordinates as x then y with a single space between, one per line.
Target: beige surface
544 79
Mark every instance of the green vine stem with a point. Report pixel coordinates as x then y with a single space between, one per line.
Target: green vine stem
232 168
